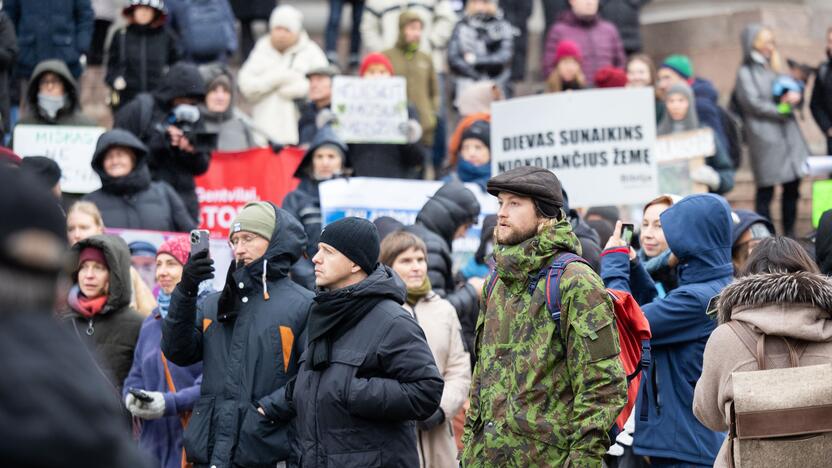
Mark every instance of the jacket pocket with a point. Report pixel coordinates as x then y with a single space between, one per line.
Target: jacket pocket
262 442
368 459
344 369
599 338
65 44
199 435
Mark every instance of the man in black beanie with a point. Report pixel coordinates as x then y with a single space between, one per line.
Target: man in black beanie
367 374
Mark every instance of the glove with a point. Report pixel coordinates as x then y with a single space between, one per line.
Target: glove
154 409
437 418
706 175
412 130
325 117
199 268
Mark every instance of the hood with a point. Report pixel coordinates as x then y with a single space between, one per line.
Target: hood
690 120
381 282
212 72
698 231
744 220
704 89
516 263
287 244
405 18
796 305
182 80
138 179
117 255
324 136
59 68
823 243
747 36
450 207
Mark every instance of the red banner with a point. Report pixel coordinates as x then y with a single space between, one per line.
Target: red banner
235 179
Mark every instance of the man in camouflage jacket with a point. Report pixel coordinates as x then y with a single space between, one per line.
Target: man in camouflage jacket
541 395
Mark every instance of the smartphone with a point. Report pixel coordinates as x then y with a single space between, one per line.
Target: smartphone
627 233
199 241
140 395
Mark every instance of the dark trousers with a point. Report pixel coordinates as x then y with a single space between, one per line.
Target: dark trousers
829 146
333 26
791 195
246 39
95 56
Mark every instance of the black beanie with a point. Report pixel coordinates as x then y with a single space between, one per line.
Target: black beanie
43 169
356 238
479 130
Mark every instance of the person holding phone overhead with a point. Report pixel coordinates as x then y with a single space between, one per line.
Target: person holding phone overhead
248 337
171 390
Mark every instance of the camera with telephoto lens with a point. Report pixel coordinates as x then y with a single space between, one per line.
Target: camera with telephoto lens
186 117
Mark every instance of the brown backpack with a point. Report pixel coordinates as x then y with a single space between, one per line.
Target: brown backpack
779 417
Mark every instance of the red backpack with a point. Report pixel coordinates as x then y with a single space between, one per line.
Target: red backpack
633 328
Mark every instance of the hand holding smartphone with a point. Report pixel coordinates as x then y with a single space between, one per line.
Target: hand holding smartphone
199 241
627 231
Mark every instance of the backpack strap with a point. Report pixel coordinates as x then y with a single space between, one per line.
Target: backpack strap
757 344
553 274
490 282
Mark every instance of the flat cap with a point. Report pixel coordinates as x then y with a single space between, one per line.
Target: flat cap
536 183
326 70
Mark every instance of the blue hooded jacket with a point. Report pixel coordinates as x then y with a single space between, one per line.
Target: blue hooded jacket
698 231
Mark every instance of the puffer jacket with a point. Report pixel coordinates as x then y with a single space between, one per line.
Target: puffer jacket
249 344
113 332
597 39
438 320
360 410
792 305
776 145
380 26
271 81
491 40
70 114
134 201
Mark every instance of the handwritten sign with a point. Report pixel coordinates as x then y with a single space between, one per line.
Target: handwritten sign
370 110
685 145
71 147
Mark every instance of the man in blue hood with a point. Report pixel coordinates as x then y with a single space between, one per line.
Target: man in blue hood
698 233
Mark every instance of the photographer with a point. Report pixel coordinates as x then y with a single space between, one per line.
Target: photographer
167 121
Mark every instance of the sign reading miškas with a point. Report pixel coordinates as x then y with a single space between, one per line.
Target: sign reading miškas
370 110
600 143
71 147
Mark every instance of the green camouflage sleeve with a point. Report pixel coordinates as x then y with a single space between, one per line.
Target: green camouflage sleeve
598 381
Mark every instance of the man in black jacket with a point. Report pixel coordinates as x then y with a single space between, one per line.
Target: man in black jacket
248 337
445 217
821 103
367 373
153 118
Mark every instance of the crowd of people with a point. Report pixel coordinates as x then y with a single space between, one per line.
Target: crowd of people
360 342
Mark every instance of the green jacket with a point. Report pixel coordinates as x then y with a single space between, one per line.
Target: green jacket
539 399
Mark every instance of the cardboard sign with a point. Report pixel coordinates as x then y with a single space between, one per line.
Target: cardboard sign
685 145
600 143
71 147
370 110
235 179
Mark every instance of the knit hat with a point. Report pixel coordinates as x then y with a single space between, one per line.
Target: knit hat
286 16
610 77
680 64
747 219
43 169
142 249
158 5
92 253
480 130
178 247
534 182
256 218
375 58
357 239
155 4
567 48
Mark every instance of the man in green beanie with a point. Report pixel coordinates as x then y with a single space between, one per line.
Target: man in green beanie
248 337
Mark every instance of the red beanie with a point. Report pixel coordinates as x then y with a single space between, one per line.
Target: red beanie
375 58
567 48
178 247
92 253
610 77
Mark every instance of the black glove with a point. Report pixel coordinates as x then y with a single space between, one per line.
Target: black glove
437 418
199 268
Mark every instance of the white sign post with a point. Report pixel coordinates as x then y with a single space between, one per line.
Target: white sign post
71 147
370 110
600 143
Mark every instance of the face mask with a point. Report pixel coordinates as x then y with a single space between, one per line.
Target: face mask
51 104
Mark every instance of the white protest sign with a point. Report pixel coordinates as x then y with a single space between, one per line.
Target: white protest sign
685 145
370 110
371 198
71 147
600 143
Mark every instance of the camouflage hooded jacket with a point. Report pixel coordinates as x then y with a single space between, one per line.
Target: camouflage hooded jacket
539 399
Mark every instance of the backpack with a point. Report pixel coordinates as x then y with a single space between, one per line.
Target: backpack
633 328
731 126
779 417
206 31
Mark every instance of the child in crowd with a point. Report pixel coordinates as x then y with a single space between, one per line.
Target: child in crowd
567 74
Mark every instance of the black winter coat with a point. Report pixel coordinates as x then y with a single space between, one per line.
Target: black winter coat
249 348
134 201
8 54
386 160
252 9
141 55
307 124
361 410
147 115
821 103
305 205
490 39
625 15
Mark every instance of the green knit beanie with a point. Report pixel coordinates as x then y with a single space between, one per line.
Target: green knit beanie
257 218
680 64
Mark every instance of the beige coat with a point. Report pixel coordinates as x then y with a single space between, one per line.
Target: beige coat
797 305
437 448
271 81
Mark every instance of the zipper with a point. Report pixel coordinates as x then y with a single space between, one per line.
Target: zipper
422 449
90 328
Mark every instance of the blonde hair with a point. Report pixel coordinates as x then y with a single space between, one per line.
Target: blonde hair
775 62
554 84
89 209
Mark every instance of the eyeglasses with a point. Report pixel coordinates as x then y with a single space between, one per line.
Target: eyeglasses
49 82
241 241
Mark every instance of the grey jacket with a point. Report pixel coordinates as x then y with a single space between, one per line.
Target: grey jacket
776 146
